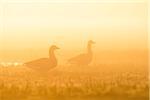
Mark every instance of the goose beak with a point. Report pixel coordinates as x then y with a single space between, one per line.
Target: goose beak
57 48
93 42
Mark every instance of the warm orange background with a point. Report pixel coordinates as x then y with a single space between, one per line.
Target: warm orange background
28 29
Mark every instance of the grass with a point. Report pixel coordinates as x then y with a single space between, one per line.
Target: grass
73 83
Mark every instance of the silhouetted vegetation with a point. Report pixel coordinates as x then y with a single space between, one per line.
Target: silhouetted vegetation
23 84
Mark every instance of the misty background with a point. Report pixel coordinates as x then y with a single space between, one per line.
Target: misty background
119 30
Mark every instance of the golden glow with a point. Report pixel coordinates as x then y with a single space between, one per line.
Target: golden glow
36 26
112 65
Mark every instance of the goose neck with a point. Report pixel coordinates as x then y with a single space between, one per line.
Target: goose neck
89 48
51 53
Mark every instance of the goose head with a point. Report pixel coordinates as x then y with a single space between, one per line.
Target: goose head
54 47
91 42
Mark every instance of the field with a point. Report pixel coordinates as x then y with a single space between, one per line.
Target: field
99 82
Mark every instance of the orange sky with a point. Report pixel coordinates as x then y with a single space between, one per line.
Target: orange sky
69 25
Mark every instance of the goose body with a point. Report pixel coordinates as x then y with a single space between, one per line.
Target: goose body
83 59
44 64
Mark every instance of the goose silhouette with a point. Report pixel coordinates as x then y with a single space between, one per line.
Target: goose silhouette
83 59
44 64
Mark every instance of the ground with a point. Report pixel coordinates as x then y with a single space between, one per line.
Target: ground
99 82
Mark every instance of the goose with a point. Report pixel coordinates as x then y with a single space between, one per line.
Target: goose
83 59
44 64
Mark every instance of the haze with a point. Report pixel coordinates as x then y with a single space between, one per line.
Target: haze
30 28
